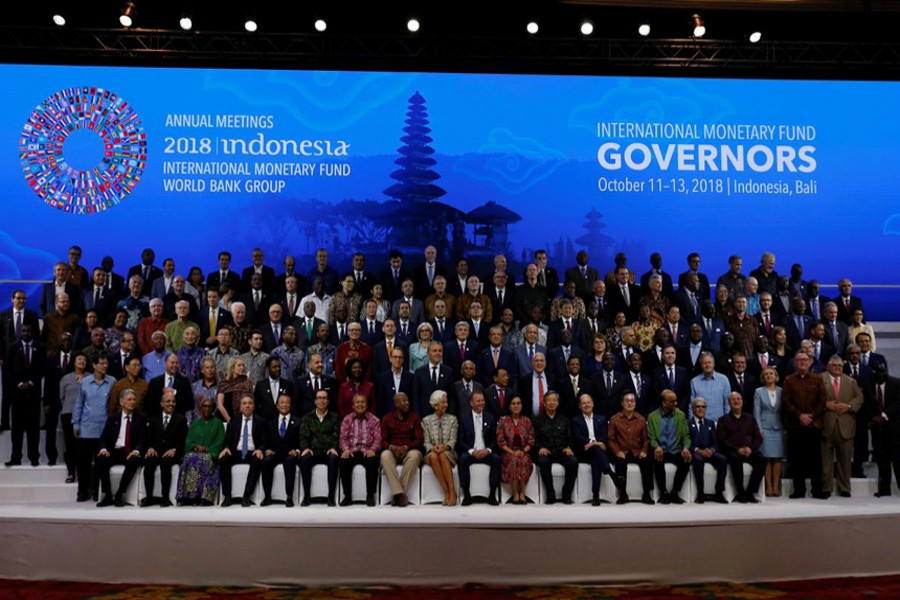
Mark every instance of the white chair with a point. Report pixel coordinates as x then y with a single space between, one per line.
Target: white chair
239 474
318 484
431 491
532 489
731 492
634 486
479 480
583 492
156 492
709 481
412 493
278 492
131 494
358 479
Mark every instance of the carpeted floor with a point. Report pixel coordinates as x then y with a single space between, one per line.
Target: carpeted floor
873 587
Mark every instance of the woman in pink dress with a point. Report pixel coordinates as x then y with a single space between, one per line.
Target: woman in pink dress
515 437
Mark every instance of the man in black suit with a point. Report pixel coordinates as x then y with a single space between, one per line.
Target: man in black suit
846 301
815 302
705 449
266 272
534 386
466 385
306 326
571 384
430 377
171 379
392 277
213 315
742 381
836 331
224 274
656 269
118 360
245 443
58 365
382 351
148 272
477 444
608 385
363 280
270 388
26 364
547 277
883 397
424 274
372 332
283 448
59 285
669 376
114 281
394 380
166 435
273 330
688 298
624 297
638 383
797 323
314 380
257 300
498 394
458 350
565 322
456 283
590 434
582 275
122 443
290 297
558 357
11 321
442 325
98 297
693 261
502 295
494 356
689 356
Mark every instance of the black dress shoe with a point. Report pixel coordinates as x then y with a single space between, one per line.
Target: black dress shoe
266 502
289 503
107 501
751 499
664 498
306 502
226 502
119 501
86 498
331 502
821 496
700 499
568 501
13 463
467 500
492 499
595 501
647 499
882 494
165 502
51 463
623 499
797 495
720 498
347 501
247 502
675 499
370 500
148 501
35 463
844 494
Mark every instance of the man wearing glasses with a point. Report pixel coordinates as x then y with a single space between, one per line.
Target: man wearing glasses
705 449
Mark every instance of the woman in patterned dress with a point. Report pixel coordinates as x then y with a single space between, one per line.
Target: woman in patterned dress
515 437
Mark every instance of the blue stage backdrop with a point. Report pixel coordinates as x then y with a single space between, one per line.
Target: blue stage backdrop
192 161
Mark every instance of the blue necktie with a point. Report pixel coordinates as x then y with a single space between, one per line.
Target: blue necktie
245 439
283 427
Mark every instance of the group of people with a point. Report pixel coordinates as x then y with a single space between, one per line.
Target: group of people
448 368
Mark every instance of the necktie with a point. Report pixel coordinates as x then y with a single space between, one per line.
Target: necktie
693 303
358 276
316 385
496 356
815 308
96 296
434 376
500 296
212 320
283 427
671 379
169 381
762 361
222 277
341 330
396 276
566 353
147 273
880 395
584 272
245 439
542 280
540 393
390 347
709 325
768 323
637 383
817 351
65 362
865 359
430 273
740 379
371 327
847 302
127 435
799 321
575 385
440 325
277 332
405 330
531 352
608 382
309 324
568 325
626 296
855 372
834 334
836 386
19 325
256 299
599 306
468 388
27 355
502 396
462 351
165 422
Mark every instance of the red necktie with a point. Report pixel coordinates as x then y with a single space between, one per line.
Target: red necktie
541 394
836 386
502 396
462 351
768 323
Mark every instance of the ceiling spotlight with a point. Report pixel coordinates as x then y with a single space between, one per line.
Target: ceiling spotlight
250 25
413 25
186 23
698 25
644 29
587 28
321 25
755 37
127 17
532 27
59 20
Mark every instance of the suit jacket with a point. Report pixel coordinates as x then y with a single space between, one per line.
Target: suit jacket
258 316
822 301
767 416
385 390
372 338
155 273
15 371
552 280
453 359
410 336
774 320
843 336
305 396
51 381
421 287
416 310
169 301
265 403
138 437
482 338
223 319
184 395
683 359
268 278
891 407
484 364
845 314
580 434
449 330
282 445
583 283
794 335
679 335
712 336
509 300
462 396
8 327
390 290
642 395
617 301
703 290
381 362
286 315
116 368
172 437
557 363
523 362
336 335
754 364
608 401
303 340
703 437
558 325
48 299
234 431
105 306
364 287
158 288
660 382
214 280
465 440
668 289
683 301
848 393
747 393
118 284
568 395
492 399
423 387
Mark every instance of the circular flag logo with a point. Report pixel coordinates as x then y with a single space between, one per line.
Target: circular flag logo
83 150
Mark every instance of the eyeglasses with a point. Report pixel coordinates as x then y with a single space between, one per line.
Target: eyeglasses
703 406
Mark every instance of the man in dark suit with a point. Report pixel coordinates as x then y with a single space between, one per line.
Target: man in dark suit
266 272
797 323
314 380
58 285
257 300
213 315
705 449
362 279
498 394
172 378
494 356
98 297
273 330
122 442
306 326
608 385
477 444
689 355
883 397
11 321
58 365
283 448
381 352
669 376
656 269
571 384
547 277
582 275
846 301
624 297
114 281
766 318
693 261
558 358
23 372
836 331
166 435
638 383
118 360
867 357
502 295
424 274
688 298
270 388
459 350
815 302
372 328
525 352
713 327
590 434
565 322
430 377
245 443
224 274
392 381
653 355
148 272
742 381
392 277
465 386
290 297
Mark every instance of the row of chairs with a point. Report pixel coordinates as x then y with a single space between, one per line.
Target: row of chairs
425 489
